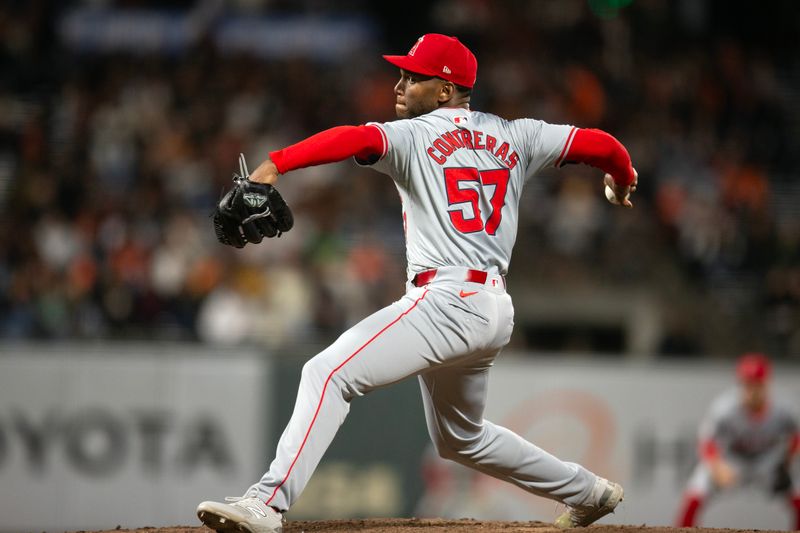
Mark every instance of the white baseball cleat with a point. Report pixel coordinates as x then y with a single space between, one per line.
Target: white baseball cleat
243 514
606 495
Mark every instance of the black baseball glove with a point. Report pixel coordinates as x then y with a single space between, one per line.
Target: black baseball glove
250 211
782 479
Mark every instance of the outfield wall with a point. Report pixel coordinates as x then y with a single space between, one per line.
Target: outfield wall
103 435
97 436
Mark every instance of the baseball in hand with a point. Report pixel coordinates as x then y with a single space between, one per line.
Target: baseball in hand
611 197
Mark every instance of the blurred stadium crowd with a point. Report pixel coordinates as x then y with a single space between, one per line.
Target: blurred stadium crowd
110 163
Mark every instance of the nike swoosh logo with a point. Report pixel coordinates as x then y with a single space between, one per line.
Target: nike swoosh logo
465 294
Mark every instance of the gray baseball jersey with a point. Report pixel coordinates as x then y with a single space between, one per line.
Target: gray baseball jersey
460 175
754 445
741 435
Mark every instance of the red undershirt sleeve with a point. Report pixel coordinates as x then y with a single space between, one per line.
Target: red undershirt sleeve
336 144
794 445
709 450
601 150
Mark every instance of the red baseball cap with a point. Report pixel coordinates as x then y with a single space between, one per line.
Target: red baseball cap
753 368
438 55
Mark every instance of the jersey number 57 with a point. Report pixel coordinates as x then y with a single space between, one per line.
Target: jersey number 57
456 177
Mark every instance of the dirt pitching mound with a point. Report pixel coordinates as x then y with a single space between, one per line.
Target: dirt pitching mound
414 525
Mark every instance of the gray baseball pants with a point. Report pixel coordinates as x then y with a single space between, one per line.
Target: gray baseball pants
447 333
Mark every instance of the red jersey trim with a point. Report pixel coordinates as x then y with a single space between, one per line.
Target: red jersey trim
565 150
325 388
384 147
383 136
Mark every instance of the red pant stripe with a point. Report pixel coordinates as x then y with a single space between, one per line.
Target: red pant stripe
325 387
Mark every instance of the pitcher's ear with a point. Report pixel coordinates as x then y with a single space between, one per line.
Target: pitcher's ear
447 91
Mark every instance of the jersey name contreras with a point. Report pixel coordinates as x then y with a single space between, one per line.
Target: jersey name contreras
460 175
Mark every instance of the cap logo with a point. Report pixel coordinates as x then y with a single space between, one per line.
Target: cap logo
446 70
414 48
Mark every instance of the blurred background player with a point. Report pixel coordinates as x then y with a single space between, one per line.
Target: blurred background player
747 438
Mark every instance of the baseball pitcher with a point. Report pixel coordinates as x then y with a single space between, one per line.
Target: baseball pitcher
747 438
460 175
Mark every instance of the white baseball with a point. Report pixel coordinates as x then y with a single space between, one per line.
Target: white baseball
611 197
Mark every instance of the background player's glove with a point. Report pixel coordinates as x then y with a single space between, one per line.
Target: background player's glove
250 211
782 481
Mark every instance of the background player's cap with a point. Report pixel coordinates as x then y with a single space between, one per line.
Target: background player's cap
753 367
435 54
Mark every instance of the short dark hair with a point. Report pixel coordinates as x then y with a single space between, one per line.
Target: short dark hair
466 91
